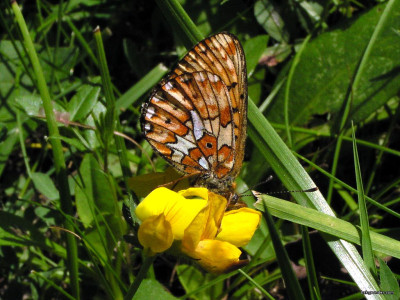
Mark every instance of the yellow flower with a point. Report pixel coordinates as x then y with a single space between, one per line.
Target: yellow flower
196 219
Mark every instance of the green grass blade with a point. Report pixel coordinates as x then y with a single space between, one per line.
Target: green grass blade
110 116
292 284
366 246
345 138
179 20
111 121
65 197
54 285
326 223
259 287
292 174
312 279
348 187
82 40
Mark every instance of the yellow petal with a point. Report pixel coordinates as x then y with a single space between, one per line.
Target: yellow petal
217 256
217 205
194 231
206 223
238 226
155 234
178 211
195 192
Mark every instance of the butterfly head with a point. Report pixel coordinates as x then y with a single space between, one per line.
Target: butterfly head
225 187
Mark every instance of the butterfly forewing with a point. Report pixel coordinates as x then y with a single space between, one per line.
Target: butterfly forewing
196 118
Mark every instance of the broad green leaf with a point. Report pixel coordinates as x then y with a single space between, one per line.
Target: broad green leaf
275 54
269 18
255 84
93 193
45 185
31 104
322 79
97 208
74 142
82 103
253 49
313 9
12 76
389 283
95 241
152 289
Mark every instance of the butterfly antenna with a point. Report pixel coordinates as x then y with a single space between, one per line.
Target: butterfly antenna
313 189
258 184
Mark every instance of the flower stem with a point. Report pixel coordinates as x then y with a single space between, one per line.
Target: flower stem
148 261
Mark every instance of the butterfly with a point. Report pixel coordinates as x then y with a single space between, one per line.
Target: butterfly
196 117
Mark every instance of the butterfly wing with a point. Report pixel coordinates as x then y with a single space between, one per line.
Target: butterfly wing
196 119
222 54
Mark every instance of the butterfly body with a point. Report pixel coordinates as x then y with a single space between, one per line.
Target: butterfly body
196 117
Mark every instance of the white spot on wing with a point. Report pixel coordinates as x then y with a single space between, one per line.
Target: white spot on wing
214 78
182 145
203 162
198 127
168 86
177 156
215 124
147 127
225 136
202 77
150 112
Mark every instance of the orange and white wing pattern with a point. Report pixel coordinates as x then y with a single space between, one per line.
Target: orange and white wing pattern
196 118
